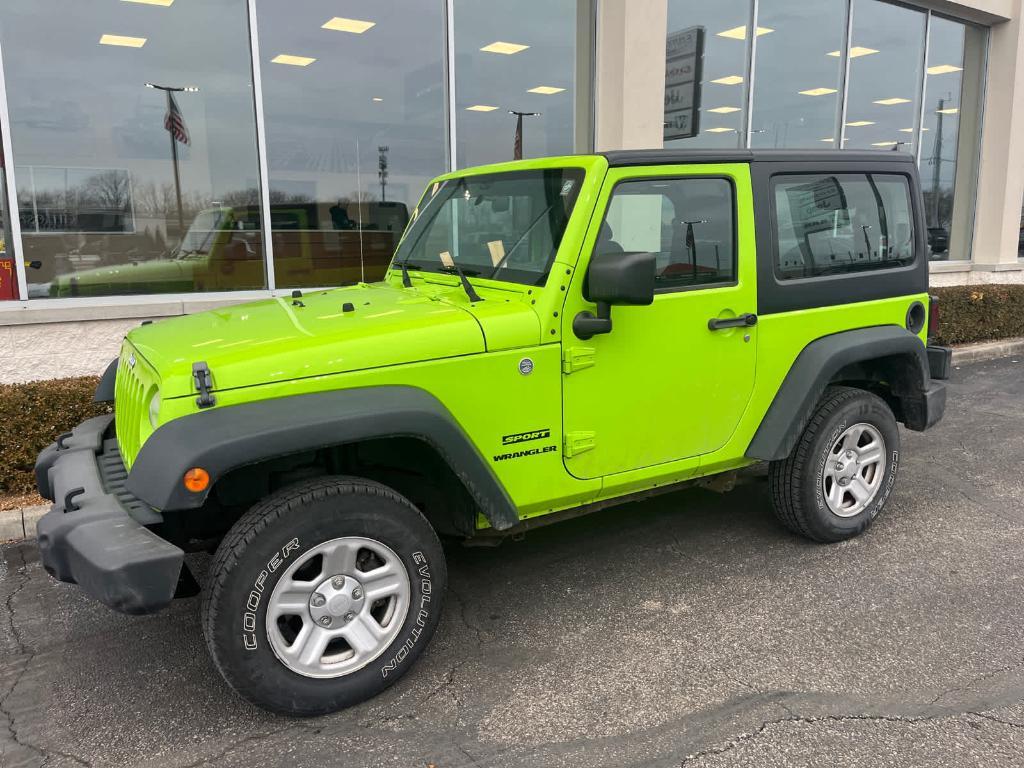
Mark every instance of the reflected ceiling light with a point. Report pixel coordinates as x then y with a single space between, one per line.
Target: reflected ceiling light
729 80
817 91
894 100
546 90
884 143
164 3
377 98
507 48
295 61
859 123
122 40
948 111
943 69
740 33
480 108
829 140
724 110
719 130
355 26
855 51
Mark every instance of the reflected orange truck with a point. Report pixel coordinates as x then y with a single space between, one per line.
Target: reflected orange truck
223 250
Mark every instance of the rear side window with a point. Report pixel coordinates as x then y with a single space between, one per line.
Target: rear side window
839 223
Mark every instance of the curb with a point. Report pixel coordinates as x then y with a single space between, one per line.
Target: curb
987 350
18 524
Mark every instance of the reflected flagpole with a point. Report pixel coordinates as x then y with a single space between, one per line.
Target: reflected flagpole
517 145
174 124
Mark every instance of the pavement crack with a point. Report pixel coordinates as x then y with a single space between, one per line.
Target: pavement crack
995 719
463 614
47 753
240 744
978 679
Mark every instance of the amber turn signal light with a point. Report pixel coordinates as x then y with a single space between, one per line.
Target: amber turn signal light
197 479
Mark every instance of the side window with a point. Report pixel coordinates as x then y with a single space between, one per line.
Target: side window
834 224
688 224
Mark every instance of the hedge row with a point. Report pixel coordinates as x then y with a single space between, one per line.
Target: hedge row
31 417
969 313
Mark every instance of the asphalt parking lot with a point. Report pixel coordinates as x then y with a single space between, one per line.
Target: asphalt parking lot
691 629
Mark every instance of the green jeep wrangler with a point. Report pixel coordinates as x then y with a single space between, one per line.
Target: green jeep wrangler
553 336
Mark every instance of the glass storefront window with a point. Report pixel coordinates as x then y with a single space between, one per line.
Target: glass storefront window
124 188
515 63
797 82
8 269
886 52
948 154
354 122
705 103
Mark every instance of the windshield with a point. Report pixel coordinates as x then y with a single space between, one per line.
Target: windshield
504 226
200 235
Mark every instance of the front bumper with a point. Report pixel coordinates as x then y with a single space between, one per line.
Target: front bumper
94 534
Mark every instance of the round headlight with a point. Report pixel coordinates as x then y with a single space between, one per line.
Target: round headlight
154 409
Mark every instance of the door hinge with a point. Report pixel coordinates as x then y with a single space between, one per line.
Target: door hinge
578 358
578 442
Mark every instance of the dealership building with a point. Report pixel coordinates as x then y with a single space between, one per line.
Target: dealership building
162 157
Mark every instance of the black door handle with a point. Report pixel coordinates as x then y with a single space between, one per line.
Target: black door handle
740 321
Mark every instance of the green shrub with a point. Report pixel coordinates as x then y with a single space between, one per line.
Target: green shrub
969 313
31 417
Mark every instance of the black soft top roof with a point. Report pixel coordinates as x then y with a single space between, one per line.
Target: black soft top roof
627 157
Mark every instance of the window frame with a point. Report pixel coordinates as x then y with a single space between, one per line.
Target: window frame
731 181
773 184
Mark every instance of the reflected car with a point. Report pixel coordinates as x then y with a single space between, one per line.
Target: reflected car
223 250
938 239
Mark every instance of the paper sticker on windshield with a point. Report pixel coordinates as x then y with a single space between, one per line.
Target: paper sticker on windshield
567 187
446 259
497 249
437 186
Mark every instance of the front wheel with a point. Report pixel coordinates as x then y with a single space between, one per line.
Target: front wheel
838 477
322 595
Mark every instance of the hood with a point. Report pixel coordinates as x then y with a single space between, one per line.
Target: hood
278 340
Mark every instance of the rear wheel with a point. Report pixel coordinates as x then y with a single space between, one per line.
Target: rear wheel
322 595
839 475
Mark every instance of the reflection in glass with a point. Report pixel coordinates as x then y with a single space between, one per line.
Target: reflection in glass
720 96
797 88
940 129
885 76
354 116
514 58
8 271
95 148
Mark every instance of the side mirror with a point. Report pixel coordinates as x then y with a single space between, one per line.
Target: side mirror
614 278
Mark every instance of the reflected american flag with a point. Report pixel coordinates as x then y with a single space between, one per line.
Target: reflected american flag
175 122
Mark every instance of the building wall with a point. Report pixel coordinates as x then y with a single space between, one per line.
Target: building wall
52 338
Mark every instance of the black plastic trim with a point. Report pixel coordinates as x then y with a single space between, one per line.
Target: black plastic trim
105 389
940 361
226 438
814 368
630 157
90 539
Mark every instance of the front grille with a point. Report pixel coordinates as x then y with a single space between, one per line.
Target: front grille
132 390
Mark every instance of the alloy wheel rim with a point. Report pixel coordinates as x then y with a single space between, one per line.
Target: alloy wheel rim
854 469
338 607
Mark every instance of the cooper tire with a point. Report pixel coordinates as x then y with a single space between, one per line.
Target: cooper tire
813 498
277 543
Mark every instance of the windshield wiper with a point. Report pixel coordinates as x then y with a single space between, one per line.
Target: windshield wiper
466 285
406 266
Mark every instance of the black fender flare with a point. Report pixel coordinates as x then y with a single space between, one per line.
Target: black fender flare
105 389
222 439
815 367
